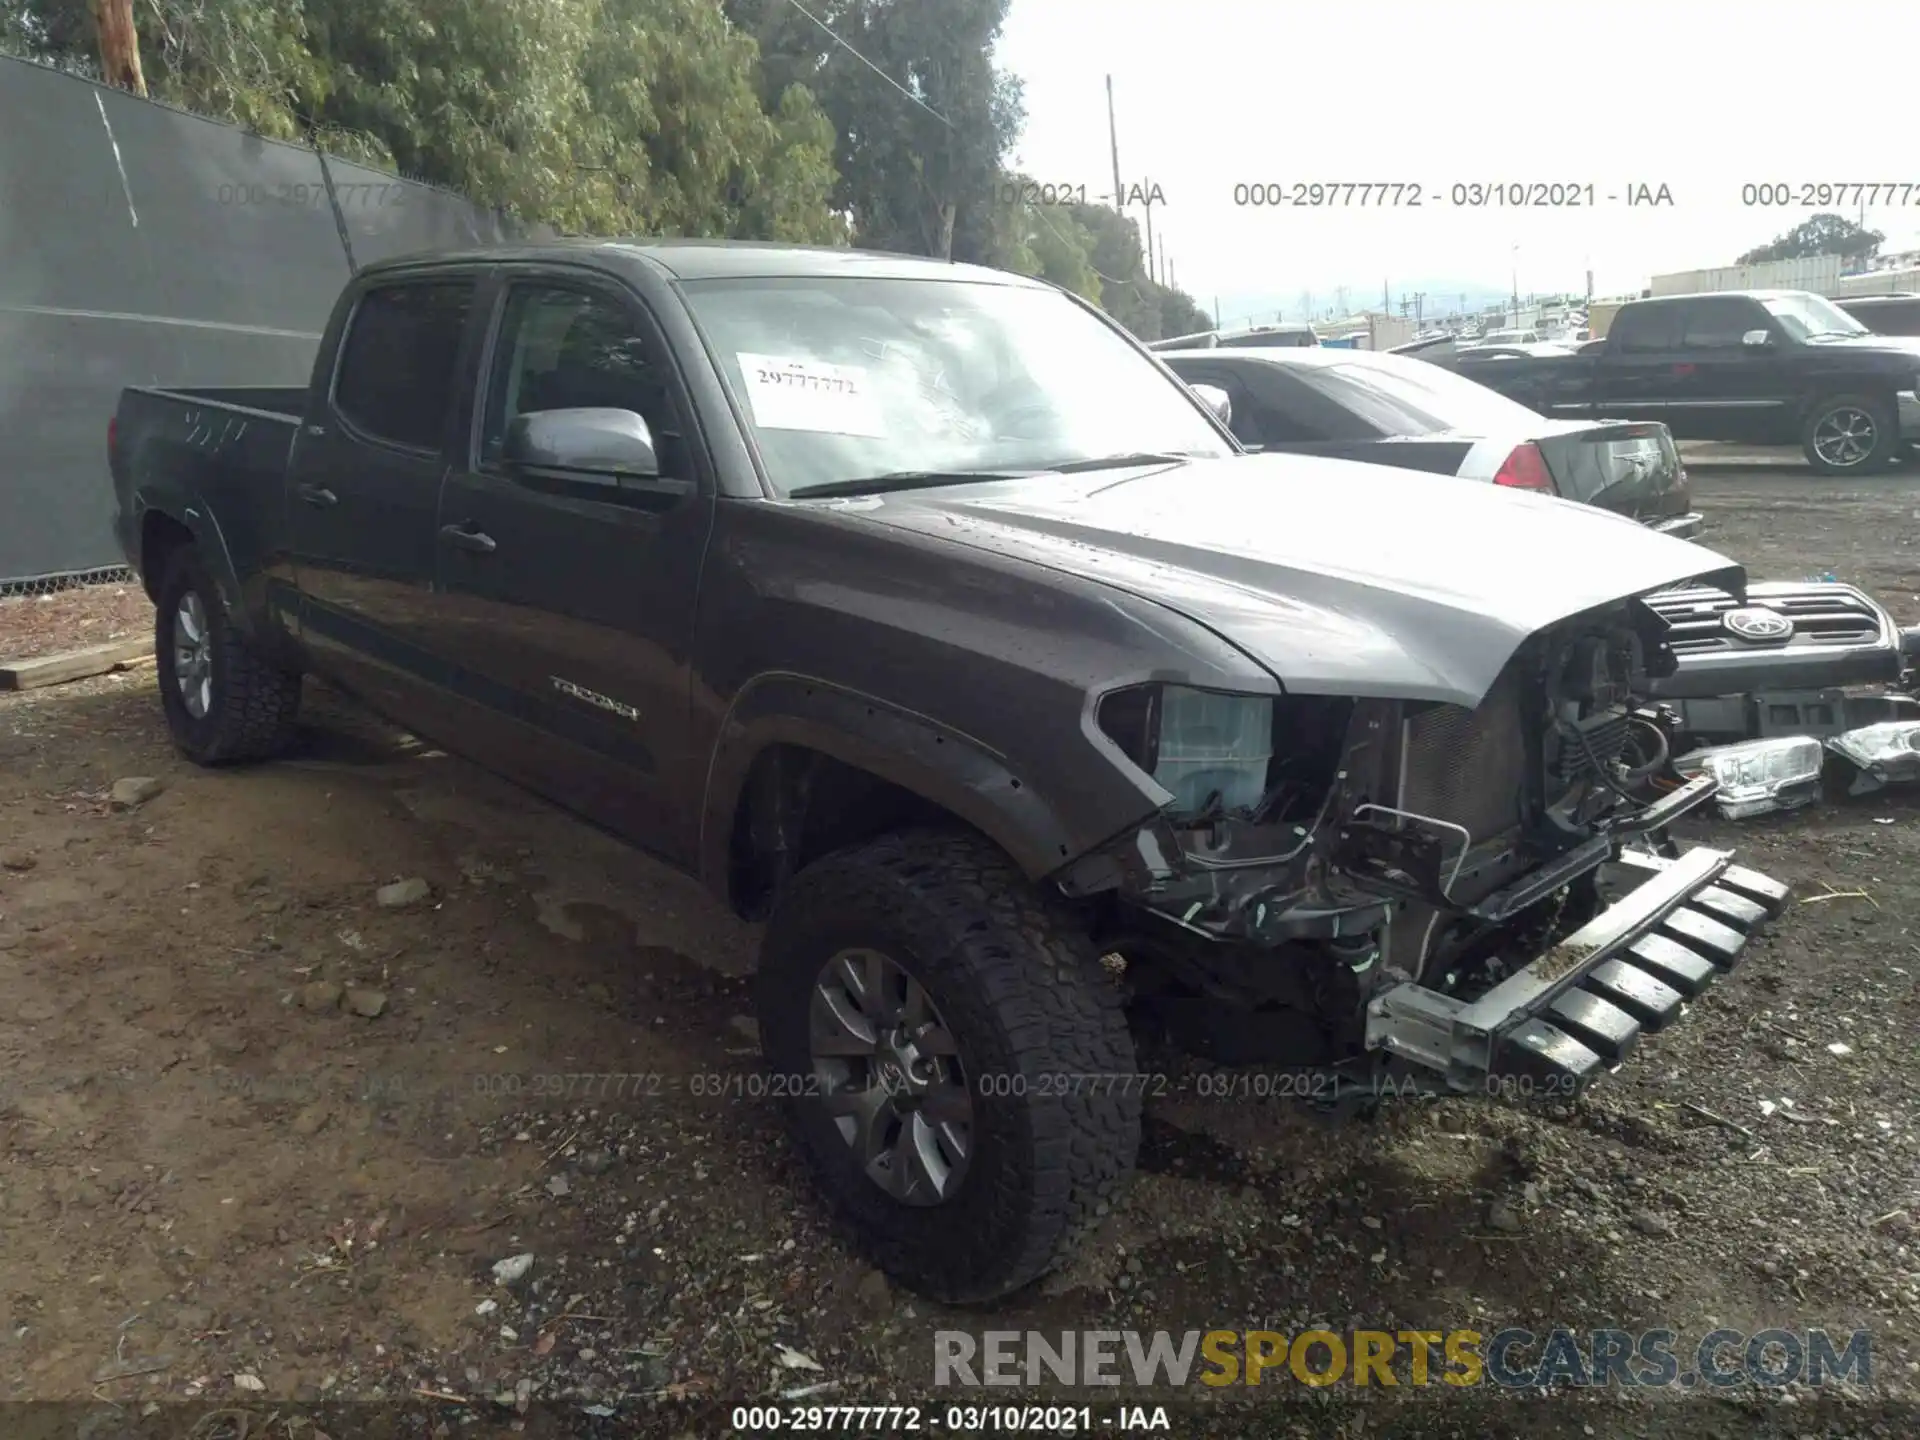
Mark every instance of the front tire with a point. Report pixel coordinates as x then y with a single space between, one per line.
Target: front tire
224 701
959 1076
1850 435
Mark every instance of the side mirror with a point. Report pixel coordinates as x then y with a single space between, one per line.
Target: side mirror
1216 400
1757 337
600 442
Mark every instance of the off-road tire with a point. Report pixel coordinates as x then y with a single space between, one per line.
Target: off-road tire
1886 433
254 701
1018 983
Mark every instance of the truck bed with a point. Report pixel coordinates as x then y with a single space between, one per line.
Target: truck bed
218 452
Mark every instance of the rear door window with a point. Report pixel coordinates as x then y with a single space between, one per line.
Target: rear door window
1645 329
399 362
1718 322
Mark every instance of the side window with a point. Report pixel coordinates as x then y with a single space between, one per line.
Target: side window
1296 413
1644 329
564 349
1718 324
397 364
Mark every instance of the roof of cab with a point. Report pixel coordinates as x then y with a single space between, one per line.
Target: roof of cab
716 259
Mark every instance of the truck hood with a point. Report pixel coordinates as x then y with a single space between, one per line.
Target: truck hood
1338 577
1895 344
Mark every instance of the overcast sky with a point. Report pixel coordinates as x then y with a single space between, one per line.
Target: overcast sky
1699 95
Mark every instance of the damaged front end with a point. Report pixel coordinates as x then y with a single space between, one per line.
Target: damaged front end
1381 883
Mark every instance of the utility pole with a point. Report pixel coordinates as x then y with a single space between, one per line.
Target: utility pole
1113 139
1153 274
119 45
1216 312
1386 302
1516 285
1340 299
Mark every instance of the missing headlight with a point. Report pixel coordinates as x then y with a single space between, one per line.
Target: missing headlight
1211 749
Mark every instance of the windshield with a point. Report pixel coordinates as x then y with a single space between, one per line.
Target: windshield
846 378
1809 317
1411 397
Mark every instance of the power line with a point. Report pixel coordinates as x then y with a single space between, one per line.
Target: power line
834 36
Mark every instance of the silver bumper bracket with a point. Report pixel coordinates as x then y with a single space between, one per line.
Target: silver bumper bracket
1578 1010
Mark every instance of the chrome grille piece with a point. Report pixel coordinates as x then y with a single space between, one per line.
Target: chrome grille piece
1822 613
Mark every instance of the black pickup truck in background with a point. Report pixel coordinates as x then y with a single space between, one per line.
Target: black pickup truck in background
921 612
1767 367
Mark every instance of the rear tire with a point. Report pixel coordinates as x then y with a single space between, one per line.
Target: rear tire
224 701
1038 1047
1850 435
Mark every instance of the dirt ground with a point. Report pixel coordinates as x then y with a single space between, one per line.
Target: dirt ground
219 1180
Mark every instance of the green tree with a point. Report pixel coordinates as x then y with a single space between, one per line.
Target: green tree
923 118
1823 234
600 116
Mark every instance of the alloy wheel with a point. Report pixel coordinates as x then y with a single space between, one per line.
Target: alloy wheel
888 1070
193 655
1845 437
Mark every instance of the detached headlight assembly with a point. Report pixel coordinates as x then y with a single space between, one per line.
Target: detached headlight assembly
1758 776
1886 752
1210 748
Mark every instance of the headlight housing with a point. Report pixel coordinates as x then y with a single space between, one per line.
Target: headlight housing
1758 776
1210 748
1886 752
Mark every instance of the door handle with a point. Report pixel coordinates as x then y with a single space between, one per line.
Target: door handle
468 539
317 496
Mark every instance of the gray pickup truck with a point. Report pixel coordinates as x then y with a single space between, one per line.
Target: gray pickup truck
920 611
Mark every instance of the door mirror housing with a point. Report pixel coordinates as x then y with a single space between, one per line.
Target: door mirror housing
1757 337
1216 400
590 440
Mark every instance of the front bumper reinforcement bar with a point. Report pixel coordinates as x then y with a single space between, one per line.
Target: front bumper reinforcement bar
1576 1011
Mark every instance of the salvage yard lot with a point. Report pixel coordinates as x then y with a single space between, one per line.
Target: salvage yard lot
212 1164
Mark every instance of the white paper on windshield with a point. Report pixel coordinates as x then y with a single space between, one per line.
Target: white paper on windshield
792 394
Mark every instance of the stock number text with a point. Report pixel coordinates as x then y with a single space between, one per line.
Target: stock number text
1839 194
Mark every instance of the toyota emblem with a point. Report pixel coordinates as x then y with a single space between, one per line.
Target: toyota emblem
1754 623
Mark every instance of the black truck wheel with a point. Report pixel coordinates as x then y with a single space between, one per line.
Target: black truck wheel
224 701
1850 435
957 1067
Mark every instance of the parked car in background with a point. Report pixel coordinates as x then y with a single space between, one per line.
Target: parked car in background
1768 367
1511 337
1884 314
1260 337
919 611
1392 410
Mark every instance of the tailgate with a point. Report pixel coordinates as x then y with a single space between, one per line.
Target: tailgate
1629 467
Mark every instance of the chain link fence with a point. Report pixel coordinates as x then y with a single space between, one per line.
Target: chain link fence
54 584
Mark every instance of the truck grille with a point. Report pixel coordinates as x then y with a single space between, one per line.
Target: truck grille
1822 614
1469 766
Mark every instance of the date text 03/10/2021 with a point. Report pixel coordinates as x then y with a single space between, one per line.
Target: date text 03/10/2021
962 1419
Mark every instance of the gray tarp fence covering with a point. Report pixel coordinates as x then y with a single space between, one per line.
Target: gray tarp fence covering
142 245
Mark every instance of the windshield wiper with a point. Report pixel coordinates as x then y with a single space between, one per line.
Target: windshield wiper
1119 462
901 480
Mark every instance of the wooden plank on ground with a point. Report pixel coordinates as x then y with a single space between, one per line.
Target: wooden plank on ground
75 664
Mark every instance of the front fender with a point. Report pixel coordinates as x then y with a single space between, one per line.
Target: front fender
945 766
